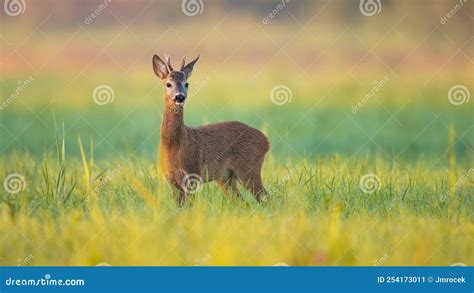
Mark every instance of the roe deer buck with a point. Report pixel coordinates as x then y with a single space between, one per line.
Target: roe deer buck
225 152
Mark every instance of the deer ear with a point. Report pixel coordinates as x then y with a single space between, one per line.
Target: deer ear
160 68
188 69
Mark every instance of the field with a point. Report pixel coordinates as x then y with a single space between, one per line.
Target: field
371 162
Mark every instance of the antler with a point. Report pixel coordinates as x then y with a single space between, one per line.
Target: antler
168 61
183 63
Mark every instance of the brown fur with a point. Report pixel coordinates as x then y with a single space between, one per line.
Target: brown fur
227 152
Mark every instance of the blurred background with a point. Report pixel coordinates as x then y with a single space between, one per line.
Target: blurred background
356 78
367 104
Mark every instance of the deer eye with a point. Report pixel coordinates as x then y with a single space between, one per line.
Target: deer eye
168 84
186 84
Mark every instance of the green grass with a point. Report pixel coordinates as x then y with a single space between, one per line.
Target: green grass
317 214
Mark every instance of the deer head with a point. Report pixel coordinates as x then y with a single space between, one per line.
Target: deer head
176 82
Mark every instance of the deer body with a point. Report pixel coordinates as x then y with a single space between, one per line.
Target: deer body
227 152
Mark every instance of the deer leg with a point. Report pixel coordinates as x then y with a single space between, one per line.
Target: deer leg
182 199
230 186
233 187
257 189
253 183
250 178
180 193
224 186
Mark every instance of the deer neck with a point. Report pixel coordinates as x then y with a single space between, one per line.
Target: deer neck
172 126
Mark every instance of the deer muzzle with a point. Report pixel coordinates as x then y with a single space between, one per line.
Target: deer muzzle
179 98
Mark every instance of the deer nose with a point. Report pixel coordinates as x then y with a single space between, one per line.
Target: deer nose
179 98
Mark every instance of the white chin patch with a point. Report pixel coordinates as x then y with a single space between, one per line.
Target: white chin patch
179 103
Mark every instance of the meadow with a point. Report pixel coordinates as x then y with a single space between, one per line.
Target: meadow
360 172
